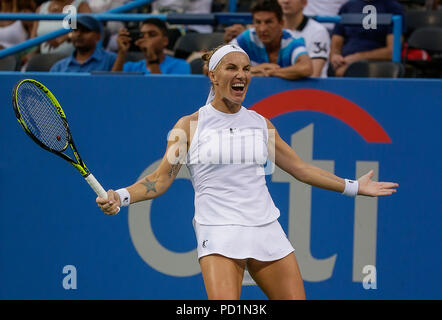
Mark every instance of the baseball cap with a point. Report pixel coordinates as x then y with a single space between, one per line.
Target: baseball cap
89 22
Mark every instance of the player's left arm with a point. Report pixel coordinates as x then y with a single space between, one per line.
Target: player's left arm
287 159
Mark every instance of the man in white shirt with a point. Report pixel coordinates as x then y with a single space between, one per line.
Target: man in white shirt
316 36
324 8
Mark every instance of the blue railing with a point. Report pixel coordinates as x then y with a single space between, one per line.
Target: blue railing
52 35
212 19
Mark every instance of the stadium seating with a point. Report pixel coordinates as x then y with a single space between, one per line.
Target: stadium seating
430 40
43 62
174 34
8 63
375 69
416 19
192 42
196 66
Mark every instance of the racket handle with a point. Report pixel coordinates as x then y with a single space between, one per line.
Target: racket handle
96 186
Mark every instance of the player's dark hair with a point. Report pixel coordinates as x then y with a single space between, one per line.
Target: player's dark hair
158 23
267 5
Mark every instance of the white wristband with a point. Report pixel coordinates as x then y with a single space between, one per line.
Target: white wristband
351 188
124 197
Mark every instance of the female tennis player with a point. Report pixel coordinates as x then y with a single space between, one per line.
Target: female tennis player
235 218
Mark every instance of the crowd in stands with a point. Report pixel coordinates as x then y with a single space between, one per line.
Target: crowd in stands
283 40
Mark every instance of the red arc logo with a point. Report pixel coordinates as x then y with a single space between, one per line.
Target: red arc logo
325 102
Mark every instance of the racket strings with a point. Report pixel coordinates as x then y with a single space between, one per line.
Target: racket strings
41 117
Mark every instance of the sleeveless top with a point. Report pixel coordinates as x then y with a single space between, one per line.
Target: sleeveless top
13 34
45 27
226 161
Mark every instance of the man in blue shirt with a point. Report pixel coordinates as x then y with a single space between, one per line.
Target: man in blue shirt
87 56
351 43
152 43
273 51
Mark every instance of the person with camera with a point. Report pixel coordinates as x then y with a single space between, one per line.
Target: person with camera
152 42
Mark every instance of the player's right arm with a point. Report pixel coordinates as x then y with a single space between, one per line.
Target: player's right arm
156 183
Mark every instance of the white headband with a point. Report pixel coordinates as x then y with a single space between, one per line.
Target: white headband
217 57
221 52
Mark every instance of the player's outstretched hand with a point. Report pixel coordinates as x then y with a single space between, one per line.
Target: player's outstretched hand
368 187
111 205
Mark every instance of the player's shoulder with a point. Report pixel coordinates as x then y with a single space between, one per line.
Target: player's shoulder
255 115
193 116
185 121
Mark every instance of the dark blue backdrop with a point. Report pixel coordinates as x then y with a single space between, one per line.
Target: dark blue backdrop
48 217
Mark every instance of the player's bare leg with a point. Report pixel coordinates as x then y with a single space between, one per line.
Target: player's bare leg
222 276
280 279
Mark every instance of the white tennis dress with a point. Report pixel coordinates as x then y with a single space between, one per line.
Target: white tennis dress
234 213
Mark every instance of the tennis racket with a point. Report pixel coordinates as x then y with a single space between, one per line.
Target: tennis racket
42 118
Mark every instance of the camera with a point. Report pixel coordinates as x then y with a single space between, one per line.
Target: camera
135 34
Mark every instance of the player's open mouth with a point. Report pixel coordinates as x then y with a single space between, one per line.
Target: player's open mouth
238 87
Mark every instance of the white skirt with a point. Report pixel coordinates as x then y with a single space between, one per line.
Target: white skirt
264 243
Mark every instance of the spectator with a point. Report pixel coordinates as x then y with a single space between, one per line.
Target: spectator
112 27
61 44
273 51
231 32
324 8
316 36
152 43
15 32
87 56
351 43
189 6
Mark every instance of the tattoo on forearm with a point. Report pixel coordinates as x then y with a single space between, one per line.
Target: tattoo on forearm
150 185
174 169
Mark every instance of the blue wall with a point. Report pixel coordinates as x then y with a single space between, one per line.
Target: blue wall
49 219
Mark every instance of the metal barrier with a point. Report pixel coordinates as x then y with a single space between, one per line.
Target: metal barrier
52 35
212 19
